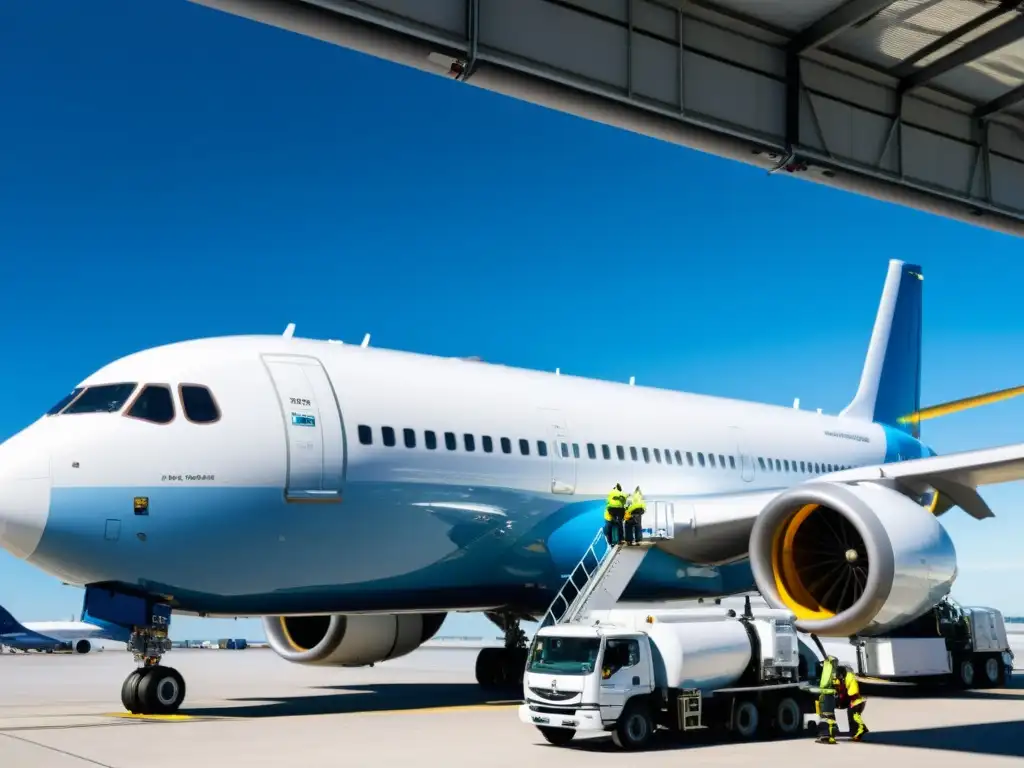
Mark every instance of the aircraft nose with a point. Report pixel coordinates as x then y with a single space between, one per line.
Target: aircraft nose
24 497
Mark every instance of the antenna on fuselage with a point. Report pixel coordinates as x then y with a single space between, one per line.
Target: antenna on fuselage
366 341
558 371
289 331
796 403
632 381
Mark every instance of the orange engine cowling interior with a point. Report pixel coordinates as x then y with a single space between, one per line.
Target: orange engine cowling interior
820 563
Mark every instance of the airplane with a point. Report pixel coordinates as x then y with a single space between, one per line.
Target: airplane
49 636
353 496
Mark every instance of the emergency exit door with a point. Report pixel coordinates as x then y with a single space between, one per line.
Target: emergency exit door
312 422
746 461
563 459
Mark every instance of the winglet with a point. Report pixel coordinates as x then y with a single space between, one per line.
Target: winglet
289 331
366 341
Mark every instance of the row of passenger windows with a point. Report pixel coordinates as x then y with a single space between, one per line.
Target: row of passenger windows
389 438
154 403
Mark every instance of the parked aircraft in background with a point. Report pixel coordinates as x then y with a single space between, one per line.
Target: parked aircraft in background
354 496
49 636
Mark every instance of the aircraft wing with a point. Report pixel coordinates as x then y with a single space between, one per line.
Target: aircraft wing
955 476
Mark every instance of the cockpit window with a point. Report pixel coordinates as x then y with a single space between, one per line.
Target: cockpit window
154 404
199 405
62 403
106 398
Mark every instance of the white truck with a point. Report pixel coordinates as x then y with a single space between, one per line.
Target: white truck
966 647
631 672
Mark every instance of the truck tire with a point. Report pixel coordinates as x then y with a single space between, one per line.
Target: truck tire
789 718
634 728
557 736
746 719
965 673
992 671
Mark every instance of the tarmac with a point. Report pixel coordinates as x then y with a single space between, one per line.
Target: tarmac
250 708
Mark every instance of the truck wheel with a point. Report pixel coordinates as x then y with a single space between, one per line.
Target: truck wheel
789 718
965 673
557 736
993 671
745 720
634 729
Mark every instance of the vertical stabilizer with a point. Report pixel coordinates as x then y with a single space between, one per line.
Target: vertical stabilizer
890 385
8 624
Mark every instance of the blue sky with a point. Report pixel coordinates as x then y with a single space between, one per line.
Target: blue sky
170 172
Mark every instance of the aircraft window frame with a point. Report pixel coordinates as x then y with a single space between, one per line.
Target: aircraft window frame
542 448
711 460
689 458
760 461
565 450
65 401
468 442
143 389
732 461
524 446
785 465
679 458
620 451
646 454
506 445
778 465
668 456
409 437
69 409
657 455
606 452
387 437
802 467
184 403
430 439
633 454
450 442
591 451
721 460
700 459
575 450
487 443
365 433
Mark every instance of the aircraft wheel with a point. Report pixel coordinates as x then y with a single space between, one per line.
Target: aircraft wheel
130 690
488 667
161 692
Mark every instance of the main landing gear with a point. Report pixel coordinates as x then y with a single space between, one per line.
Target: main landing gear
151 689
503 667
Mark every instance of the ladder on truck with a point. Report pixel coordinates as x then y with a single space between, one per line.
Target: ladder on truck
601 576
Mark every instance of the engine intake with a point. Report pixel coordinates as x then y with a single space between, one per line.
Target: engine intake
850 559
354 640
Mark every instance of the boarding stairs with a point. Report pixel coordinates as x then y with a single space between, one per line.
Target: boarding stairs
601 576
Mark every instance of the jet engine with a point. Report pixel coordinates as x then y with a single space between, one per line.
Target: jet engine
82 646
850 558
353 640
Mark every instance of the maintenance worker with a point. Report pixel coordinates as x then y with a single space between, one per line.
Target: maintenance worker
614 513
825 706
634 517
851 700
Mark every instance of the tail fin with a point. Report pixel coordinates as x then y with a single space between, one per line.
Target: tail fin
8 623
890 385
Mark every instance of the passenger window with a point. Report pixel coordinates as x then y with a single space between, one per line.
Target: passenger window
409 435
700 458
802 469
721 461
524 447
62 403
711 459
817 468
565 450
732 462
449 441
365 435
606 452
679 458
620 452
689 458
657 455
388 435
785 464
106 398
488 444
154 404
760 461
647 455
575 450
198 404
591 451
469 441
430 440
542 448
668 456
778 465
632 453
506 445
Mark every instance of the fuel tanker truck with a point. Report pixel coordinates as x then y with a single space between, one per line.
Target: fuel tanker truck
631 672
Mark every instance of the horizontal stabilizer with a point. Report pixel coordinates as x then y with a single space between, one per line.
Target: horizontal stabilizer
966 403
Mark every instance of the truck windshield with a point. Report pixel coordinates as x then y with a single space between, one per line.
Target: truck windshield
564 655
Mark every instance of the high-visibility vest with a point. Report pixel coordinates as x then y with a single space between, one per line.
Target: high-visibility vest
853 689
636 504
616 501
826 685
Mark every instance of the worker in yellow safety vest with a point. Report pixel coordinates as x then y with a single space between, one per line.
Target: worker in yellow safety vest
825 706
851 700
614 514
634 517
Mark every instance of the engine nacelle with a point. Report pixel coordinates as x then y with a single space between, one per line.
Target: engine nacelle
81 646
353 640
850 559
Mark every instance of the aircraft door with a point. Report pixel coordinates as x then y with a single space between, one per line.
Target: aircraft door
312 420
563 462
745 459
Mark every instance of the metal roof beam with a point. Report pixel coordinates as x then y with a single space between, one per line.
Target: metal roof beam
835 23
906 67
1007 100
978 48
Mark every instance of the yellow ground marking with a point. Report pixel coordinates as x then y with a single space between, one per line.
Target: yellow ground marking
162 718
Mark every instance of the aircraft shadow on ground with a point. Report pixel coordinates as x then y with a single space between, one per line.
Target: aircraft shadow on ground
1012 691
352 699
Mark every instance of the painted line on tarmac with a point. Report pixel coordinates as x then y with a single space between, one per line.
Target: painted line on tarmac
154 718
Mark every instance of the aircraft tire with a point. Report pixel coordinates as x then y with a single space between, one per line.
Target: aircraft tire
488 667
130 690
161 692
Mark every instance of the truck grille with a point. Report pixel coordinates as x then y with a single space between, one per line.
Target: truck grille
550 695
